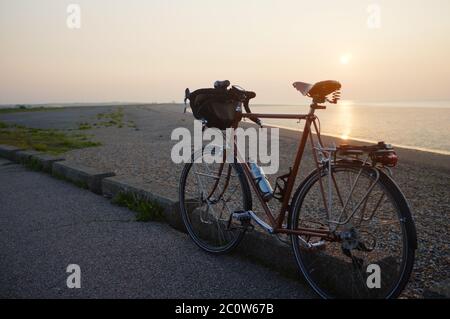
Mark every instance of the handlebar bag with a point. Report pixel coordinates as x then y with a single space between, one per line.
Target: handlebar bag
215 106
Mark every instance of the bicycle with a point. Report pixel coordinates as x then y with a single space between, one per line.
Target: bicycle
346 215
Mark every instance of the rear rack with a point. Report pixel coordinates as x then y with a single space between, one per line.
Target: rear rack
380 153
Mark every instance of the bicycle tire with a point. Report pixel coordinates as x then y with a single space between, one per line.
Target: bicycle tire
405 218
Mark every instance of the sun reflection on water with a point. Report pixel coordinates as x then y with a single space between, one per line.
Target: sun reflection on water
345 119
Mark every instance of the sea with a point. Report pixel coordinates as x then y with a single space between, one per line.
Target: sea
418 125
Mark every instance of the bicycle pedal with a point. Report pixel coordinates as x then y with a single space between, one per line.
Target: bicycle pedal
242 216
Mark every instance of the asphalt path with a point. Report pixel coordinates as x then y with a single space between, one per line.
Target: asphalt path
47 224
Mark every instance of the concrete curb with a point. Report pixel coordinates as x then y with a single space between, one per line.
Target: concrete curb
31 158
269 251
8 151
24 157
80 175
44 162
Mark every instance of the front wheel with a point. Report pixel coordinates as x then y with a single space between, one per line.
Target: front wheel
209 194
372 255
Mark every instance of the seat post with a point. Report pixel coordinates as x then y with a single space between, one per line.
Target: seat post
315 106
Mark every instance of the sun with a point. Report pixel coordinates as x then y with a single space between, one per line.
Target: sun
345 58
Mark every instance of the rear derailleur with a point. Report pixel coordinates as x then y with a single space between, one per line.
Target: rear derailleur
351 240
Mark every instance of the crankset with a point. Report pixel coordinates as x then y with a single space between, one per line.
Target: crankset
244 218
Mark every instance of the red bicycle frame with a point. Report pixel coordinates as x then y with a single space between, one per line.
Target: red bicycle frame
277 222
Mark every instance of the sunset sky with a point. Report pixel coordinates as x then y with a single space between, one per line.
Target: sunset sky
151 50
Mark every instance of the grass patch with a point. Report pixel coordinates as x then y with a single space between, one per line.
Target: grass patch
84 126
43 140
26 108
146 210
111 119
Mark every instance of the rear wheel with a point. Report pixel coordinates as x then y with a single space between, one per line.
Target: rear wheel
209 194
374 255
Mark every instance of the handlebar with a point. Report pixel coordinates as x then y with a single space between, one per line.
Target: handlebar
245 97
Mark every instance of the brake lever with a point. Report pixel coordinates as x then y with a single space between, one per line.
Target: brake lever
252 118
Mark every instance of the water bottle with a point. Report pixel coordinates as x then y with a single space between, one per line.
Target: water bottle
261 180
